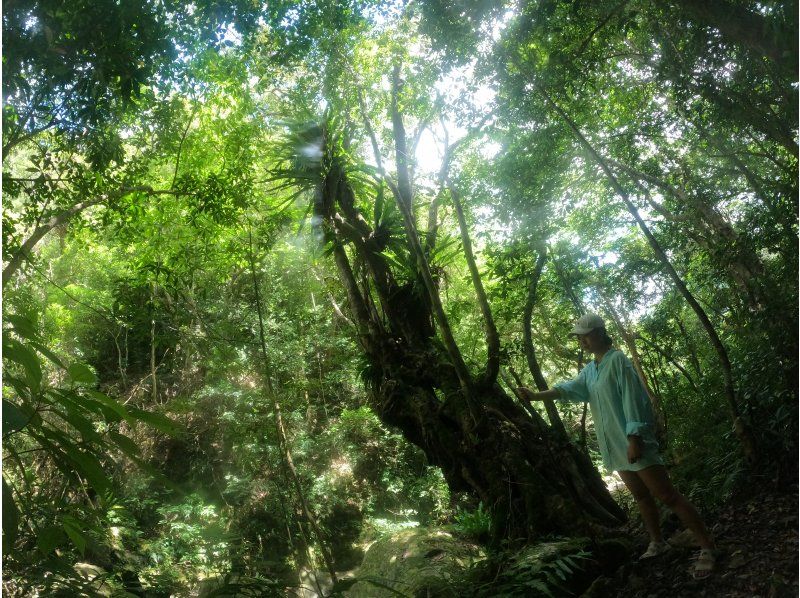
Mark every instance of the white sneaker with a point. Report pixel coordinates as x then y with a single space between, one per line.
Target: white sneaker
655 549
704 564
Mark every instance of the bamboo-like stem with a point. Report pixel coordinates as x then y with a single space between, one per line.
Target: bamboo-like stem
671 360
153 367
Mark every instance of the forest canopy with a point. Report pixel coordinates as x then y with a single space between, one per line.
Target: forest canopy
273 274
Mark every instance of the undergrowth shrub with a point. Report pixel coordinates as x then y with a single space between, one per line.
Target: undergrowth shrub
553 569
475 525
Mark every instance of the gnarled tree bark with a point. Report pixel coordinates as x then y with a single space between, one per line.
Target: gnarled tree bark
507 457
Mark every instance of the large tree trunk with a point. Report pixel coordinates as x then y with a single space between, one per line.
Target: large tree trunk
511 460
492 338
507 457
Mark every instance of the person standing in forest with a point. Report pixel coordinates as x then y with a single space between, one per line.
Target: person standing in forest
623 421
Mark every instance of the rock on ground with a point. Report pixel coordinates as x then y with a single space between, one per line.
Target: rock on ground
417 561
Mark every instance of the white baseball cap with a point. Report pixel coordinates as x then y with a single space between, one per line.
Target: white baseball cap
588 322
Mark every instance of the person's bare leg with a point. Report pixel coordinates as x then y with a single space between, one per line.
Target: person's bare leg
657 481
647 506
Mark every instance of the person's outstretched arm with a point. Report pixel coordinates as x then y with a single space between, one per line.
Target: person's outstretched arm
572 391
528 394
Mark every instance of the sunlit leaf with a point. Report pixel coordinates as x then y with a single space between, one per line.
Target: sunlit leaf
19 353
81 374
48 353
23 326
109 403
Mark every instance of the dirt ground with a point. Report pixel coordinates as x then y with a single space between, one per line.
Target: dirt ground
757 539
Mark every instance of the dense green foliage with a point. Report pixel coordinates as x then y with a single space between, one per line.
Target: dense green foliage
187 395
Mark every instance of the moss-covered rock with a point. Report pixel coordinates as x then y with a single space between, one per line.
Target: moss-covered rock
415 562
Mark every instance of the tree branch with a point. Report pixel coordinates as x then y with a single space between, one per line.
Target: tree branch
530 351
24 251
490 330
404 202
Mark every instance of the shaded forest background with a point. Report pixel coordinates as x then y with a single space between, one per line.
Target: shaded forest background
272 272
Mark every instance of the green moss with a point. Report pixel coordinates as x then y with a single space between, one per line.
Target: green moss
420 561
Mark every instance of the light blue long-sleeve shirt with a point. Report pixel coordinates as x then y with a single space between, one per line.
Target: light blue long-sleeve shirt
620 408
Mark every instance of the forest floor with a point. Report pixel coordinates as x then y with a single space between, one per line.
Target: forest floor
757 540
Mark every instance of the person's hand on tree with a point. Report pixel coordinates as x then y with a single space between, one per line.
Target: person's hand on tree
525 393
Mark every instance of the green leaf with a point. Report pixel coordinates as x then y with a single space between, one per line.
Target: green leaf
125 444
158 475
110 403
85 463
90 466
23 326
380 584
154 420
50 538
81 374
80 404
19 353
56 453
540 586
48 353
394 261
73 529
344 584
19 385
13 418
10 519
81 423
